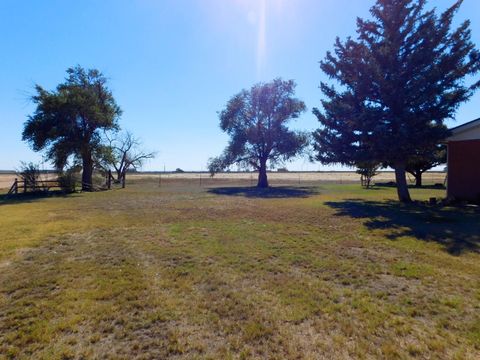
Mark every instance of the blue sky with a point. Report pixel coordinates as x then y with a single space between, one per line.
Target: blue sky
173 64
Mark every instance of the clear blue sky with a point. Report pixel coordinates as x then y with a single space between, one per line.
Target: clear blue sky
173 64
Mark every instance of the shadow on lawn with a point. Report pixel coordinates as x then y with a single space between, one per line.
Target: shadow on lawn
391 184
267 193
31 197
457 229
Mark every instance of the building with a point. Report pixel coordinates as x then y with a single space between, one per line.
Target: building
464 162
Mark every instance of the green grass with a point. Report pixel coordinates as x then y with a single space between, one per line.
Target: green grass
182 271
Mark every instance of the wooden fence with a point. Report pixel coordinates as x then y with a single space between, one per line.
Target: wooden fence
22 186
31 186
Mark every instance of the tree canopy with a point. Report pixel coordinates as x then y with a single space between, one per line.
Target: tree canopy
256 121
68 121
424 160
397 83
368 170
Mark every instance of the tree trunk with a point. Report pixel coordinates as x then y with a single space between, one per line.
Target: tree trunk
418 179
401 180
87 172
262 175
124 176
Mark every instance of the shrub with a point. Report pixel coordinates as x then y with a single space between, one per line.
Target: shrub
29 172
68 180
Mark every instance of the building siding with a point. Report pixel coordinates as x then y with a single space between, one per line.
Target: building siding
464 170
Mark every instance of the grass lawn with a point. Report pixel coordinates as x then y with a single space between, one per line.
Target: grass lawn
183 271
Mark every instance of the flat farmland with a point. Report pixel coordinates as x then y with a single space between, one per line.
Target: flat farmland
6 179
175 269
281 179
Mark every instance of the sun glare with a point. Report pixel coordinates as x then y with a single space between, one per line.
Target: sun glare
256 14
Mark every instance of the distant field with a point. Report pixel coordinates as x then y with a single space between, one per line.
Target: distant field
334 176
175 270
6 180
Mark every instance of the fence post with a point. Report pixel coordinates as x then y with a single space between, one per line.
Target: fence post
16 186
109 181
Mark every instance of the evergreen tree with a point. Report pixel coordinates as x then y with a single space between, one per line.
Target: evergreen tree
398 81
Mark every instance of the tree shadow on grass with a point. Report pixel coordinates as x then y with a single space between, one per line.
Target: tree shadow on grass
391 184
278 192
457 229
31 197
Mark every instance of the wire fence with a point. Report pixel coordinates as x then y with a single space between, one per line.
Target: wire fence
204 179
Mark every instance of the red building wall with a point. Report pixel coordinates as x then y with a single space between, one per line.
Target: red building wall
464 170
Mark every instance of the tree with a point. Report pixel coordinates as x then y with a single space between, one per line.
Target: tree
124 153
368 170
256 121
424 160
67 121
399 80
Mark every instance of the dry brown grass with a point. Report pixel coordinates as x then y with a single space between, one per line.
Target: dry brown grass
7 179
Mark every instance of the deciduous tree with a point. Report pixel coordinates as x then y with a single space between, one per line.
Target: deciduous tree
68 121
368 170
256 121
124 153
424 160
